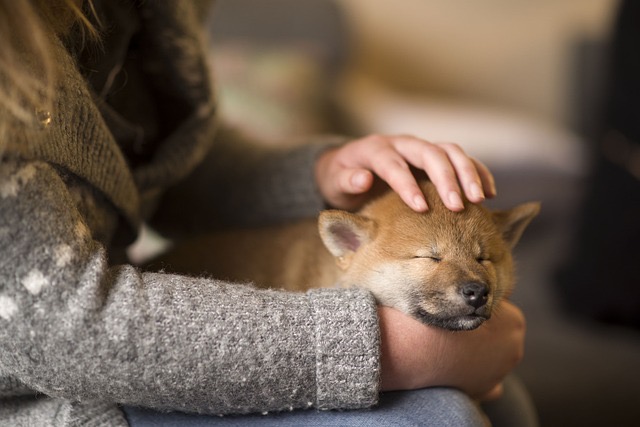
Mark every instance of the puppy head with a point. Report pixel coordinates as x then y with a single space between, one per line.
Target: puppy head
447 269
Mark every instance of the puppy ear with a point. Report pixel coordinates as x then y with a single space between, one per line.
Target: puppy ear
513 222
343 233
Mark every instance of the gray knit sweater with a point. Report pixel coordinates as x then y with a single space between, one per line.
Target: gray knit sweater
133 134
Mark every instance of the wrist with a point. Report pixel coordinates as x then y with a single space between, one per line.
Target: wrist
321 170
404 364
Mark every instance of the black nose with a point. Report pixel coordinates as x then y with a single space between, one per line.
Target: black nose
475 294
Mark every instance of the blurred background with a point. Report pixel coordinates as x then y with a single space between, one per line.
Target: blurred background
526 86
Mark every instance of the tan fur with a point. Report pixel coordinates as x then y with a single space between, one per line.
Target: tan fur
428 265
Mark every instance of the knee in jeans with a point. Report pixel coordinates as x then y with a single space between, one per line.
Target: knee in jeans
458 409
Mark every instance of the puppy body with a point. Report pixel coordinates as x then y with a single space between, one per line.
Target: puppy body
444 268
290 256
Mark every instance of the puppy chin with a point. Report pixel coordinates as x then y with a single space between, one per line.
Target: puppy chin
454 323
467 323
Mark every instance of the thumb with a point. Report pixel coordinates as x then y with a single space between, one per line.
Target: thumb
354 181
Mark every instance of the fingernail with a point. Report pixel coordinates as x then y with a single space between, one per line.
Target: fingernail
476 191
455 201
419 203
359 180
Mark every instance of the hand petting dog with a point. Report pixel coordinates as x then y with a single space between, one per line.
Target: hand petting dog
349 175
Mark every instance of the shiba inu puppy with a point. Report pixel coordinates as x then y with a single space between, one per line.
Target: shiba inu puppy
447 269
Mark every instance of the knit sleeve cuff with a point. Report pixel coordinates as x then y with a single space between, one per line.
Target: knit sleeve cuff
347 349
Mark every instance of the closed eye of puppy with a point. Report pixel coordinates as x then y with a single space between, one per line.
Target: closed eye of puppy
446 269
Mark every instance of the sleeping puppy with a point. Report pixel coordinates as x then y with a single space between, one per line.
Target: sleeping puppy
447 269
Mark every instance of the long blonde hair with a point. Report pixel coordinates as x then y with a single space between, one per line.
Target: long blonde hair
28 70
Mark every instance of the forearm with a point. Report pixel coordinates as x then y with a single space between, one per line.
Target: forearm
77 328
241 183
